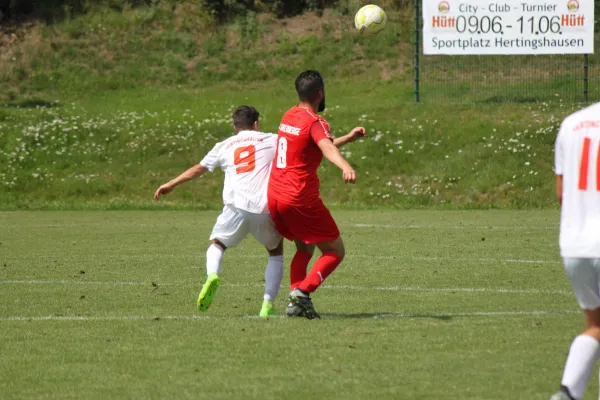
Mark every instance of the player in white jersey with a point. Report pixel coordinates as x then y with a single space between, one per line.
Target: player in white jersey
577 168
246 159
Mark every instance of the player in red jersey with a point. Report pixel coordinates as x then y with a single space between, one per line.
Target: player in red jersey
294 202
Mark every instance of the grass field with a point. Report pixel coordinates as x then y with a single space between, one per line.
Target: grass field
427 305
99 108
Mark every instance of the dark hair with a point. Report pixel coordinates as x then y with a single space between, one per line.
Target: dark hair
244 117
308 84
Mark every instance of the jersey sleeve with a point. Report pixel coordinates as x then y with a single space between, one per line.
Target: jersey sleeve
319 130
559 151
213 159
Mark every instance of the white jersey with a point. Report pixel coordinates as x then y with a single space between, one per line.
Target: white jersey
246 160
577 159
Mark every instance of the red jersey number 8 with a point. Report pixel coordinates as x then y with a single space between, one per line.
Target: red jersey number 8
584 166
244 158
282 153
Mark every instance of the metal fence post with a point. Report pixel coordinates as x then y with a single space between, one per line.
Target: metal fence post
417 45
586 79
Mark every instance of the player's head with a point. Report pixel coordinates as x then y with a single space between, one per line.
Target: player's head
245 118
311 88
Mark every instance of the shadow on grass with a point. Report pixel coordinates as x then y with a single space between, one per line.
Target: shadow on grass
30 103
390 315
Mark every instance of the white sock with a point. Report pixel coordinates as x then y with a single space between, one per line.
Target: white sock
214 256
273 276
583 354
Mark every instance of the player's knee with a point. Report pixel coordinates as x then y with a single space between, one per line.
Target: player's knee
341 252
593 331
592 319
277 251
339 248
220 244
304 247
335 246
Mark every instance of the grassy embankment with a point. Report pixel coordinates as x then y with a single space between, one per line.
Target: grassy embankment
101 108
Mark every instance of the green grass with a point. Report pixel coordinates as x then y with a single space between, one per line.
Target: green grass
113 149
424 334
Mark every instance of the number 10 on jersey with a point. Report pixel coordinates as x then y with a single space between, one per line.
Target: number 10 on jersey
282 152
585 163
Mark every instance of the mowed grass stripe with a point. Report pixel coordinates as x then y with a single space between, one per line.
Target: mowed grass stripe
338 287
361 316
550 227
238 256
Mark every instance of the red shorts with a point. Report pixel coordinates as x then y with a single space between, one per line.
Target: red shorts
310 223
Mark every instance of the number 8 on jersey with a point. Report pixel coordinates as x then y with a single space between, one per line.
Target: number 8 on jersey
282 153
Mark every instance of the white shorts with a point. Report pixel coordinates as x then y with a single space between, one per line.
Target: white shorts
233 225
584 274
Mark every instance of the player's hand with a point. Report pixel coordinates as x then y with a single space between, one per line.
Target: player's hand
357 133
349 175
164 189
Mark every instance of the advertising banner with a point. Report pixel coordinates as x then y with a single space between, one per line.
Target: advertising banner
508 27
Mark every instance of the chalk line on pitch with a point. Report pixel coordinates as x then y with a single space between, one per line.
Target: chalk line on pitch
418 258
550 227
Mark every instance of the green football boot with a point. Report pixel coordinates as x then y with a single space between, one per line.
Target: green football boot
208 292
267 310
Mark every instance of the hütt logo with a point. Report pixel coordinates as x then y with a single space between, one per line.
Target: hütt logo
444 6
573 5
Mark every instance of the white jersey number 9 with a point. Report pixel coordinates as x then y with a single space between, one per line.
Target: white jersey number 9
282 153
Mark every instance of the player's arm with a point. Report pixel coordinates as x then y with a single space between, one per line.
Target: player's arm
319 132
559 187
209 163
332 153
354 135
192 173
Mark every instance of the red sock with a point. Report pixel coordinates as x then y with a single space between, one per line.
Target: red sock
324 266
298 268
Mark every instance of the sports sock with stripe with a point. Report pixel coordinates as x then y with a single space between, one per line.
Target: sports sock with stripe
323 267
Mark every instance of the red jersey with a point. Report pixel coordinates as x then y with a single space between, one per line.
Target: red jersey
294 177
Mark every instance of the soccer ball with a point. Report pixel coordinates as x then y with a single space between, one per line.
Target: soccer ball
370 19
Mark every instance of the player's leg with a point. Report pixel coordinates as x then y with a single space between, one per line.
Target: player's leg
214 258
300 304
333 254
229 230
289 223
318 227
263 229
300 301
299 265
585 350
273 277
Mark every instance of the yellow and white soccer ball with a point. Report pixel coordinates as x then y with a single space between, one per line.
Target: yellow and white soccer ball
370 19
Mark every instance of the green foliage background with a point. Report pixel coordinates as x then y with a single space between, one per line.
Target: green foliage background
100 107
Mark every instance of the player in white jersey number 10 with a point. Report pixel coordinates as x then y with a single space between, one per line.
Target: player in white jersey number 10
577 168
246 161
